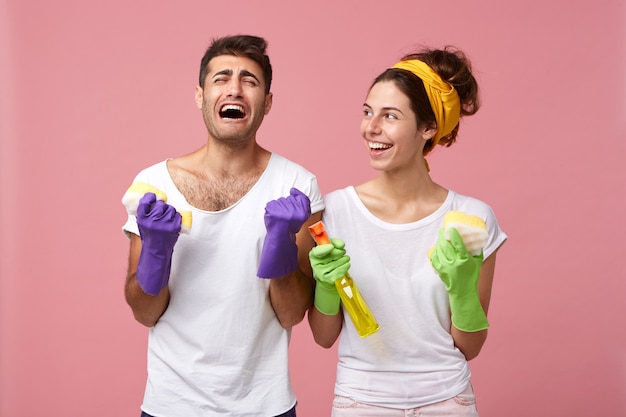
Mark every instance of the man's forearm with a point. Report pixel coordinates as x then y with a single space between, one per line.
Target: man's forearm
147 309
291 296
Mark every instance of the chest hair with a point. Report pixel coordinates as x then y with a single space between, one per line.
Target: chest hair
213 194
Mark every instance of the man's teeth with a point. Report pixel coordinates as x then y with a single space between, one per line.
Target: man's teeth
232 107
379 145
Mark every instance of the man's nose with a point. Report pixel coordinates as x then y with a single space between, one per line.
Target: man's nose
234 88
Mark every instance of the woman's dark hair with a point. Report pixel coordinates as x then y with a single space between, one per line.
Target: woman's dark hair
453 67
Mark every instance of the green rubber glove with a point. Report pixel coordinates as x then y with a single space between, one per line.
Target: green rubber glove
329 263
459 271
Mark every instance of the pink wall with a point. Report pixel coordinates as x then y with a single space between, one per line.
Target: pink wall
93 91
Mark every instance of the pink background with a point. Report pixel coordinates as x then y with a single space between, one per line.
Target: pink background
91 92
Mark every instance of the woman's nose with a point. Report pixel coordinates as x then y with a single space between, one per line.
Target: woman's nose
373 126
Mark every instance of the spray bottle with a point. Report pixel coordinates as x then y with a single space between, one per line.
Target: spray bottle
351 298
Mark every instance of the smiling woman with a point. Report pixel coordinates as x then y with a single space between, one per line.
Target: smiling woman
431 294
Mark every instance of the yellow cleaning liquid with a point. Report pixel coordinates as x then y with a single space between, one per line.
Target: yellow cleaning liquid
358 310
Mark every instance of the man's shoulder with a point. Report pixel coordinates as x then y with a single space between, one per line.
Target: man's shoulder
155 168
155 172
286 163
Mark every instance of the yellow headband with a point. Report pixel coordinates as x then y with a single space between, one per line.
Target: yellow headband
443 98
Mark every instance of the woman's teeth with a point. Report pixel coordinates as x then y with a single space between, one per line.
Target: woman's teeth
379 146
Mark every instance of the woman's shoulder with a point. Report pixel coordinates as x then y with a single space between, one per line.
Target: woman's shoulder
340 193
469 204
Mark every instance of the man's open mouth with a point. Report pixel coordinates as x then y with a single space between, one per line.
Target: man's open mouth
232 111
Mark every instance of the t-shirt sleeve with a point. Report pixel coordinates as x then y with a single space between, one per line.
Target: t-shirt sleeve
151 175
315 196
496 236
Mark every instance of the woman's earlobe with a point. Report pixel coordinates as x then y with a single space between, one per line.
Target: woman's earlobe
429 133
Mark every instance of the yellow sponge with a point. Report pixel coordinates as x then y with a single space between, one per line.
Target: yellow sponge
185 225
472 229
137 190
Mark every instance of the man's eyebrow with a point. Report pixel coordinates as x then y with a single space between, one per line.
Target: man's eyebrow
223 72
246 73
229 72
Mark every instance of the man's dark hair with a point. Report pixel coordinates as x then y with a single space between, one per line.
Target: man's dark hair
248 46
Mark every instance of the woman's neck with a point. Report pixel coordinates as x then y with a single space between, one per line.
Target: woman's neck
401 198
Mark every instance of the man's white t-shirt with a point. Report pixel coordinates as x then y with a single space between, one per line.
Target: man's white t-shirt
219 349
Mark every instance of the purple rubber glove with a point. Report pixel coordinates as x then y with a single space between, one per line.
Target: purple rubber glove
283 219
159 226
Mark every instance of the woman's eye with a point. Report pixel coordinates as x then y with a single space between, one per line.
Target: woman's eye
367 112
390 116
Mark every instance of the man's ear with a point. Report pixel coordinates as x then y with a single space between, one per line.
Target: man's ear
268 102
199 96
